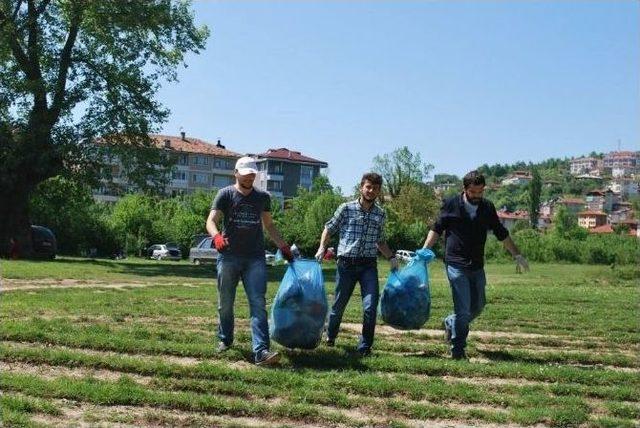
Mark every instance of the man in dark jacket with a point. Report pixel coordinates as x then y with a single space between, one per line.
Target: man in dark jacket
466 218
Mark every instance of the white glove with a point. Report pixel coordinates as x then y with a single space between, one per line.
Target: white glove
521 263
393 262
320 254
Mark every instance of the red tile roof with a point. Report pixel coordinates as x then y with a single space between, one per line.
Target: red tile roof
192 145
591 213
605 228
516 215
289 155
571 201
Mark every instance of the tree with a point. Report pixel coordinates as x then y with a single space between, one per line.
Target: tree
565 225
399 168
75 70
535 188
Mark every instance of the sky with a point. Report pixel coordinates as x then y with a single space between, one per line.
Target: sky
462 83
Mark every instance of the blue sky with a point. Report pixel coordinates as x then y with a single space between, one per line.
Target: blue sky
463 83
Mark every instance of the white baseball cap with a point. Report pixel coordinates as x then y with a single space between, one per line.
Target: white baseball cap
246 165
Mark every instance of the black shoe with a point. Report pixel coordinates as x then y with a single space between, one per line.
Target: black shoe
364 352
223 347
330 343
459 355
267 358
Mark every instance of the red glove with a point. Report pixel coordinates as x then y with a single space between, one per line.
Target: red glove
220 241
286 253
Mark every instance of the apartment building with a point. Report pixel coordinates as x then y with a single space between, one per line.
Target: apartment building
585 165
199 165
282 171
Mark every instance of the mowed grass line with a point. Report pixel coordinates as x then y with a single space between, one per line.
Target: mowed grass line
527 404
403 379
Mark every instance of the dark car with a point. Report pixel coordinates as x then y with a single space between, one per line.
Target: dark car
43 242
204 252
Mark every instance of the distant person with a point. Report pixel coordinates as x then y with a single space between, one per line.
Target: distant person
14 249
244 211
465 220
360 224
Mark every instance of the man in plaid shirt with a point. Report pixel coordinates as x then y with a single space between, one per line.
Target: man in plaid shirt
361 227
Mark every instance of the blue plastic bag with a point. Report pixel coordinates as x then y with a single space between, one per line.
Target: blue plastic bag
300 307
405 303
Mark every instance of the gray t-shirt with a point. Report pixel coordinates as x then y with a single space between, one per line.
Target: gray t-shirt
243 220
470 208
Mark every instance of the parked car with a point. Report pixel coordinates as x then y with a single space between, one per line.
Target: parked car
405 255
203 252
165 252
43 242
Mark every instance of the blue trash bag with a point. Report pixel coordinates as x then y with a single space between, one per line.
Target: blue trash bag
300 307
405 303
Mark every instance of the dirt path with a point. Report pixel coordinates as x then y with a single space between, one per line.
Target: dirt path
39 284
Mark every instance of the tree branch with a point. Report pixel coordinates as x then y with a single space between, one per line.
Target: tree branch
65 62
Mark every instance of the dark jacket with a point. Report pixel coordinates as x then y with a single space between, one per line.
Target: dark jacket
465 238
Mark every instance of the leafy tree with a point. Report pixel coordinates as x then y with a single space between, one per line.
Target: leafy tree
535 189
565 225
416 202
133 221
68 209
446 178
72 71
399 168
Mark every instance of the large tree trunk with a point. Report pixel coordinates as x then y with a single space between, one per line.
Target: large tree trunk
28 159
15 223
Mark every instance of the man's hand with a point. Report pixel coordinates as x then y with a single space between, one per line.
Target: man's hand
521 264
320 254
286 253
393 262
220 241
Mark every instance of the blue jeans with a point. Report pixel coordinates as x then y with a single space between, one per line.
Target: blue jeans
467 290
253 272
346 278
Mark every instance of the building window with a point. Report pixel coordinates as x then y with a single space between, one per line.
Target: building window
222 164
179 175
274 185
183 160
220 181
200 178
306 176
275 168
202 160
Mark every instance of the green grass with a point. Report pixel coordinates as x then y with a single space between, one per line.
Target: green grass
558 346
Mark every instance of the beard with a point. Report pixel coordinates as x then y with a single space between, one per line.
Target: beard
369 199
246 186
474 201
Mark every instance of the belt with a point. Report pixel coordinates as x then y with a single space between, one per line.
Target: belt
357 260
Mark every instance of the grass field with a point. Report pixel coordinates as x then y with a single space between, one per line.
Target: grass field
132 343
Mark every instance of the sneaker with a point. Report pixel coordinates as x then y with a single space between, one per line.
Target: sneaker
267 358
330 343
447 331
364 352
223 347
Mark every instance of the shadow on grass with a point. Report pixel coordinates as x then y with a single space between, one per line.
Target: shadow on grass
142 267
324 359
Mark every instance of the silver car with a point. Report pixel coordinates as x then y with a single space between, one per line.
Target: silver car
204 252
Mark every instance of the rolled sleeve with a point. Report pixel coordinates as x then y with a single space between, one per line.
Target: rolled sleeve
440 224
498 229
334 223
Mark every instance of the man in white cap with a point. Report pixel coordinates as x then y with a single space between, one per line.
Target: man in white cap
244 211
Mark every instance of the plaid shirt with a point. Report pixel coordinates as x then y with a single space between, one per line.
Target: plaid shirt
360 230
